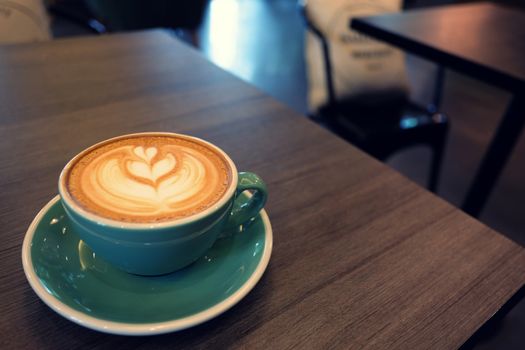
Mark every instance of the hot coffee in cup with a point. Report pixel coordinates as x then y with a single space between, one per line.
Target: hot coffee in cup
152 203
149 178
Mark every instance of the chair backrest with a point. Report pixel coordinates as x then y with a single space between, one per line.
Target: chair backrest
122 15
357 65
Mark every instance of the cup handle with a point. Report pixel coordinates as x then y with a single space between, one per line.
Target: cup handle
245 210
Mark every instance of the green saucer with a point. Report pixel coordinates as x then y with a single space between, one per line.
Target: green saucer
68 276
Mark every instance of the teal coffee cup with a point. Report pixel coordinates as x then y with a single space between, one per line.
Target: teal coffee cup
153 203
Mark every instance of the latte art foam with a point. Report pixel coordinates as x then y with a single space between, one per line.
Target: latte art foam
149 179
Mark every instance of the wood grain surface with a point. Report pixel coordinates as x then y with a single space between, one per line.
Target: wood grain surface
362 256
483 40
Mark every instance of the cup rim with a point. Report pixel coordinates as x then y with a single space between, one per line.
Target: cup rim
67 198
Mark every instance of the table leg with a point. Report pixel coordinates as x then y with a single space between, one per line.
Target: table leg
499 151
438 90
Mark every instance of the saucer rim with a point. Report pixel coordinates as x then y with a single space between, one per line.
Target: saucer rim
123 328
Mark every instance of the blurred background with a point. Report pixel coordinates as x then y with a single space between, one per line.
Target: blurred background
268 44
263 43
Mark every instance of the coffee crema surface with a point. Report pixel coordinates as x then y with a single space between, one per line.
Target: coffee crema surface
148 178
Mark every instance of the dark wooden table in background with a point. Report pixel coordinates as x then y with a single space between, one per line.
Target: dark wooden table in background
483 40
362 256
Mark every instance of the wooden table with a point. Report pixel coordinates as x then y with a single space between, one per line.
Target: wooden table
362 256
483 40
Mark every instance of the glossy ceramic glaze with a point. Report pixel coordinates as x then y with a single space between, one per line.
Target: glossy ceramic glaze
160 248
69 277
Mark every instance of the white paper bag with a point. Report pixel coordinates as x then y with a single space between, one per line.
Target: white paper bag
23 21
359 64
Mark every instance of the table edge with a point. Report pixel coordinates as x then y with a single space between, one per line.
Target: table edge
460 64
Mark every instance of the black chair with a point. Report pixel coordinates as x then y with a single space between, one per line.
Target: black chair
104 16
381 123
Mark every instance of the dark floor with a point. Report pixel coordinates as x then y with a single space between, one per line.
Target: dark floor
262 43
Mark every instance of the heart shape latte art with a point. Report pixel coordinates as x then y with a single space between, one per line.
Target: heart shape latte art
150 182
